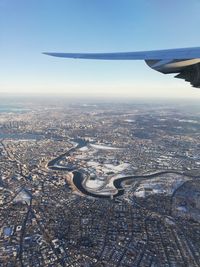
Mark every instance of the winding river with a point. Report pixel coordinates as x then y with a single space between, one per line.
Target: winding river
78 176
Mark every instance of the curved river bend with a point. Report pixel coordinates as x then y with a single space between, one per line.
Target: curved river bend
78 176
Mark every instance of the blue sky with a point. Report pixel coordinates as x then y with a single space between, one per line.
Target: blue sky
28 28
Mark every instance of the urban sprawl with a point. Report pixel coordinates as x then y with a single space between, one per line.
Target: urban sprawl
99 185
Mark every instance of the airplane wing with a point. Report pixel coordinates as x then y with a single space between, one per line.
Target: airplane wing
183 61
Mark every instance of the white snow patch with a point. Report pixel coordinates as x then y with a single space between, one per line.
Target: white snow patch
140 193
104 147
128 120
182 209
84 148
108 167
169 221
94 184
118 168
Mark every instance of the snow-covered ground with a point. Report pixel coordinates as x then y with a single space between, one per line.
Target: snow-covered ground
118 168
94 184
128 120
140 193
73 143
105 168
104 147
182 209
164 184
84 148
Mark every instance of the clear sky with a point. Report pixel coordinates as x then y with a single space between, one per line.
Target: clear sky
29 27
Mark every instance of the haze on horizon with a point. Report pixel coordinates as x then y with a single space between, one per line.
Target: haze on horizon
30 28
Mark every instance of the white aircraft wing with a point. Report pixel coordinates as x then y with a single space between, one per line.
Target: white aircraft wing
184 61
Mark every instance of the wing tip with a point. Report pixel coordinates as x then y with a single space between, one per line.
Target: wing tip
62 55
47 53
